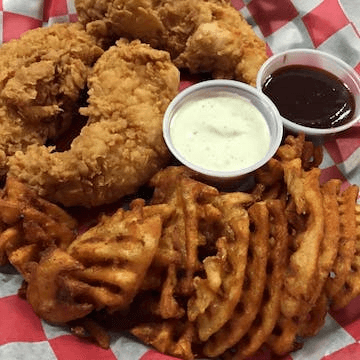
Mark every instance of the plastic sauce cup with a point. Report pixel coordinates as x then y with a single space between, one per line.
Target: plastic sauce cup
323 61
210 90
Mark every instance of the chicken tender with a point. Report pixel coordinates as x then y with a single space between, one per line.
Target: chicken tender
201 35
121 147
41 77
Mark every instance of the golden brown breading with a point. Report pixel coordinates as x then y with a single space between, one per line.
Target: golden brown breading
45 69
122 145
201 35
41 77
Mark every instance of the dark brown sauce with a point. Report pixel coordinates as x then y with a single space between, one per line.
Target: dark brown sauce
310 96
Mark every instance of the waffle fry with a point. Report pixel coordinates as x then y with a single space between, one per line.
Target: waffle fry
177 253
182 237
208 273
343 286
102 268
30 225
10 240
169 337
296 147
315 317
89 329
116 254
311 156
219 292
247 308
48 291
292 148
168 307
301 276
283 338
308 314
268 313
351 287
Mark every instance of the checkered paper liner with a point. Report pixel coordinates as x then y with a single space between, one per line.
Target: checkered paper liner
329 25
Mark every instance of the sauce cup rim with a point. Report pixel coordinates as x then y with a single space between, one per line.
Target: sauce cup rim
293 126
224 85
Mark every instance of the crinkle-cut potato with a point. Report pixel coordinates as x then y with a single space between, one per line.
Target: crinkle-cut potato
308 318
240 318
116 254
351 286
315 318
296 147
328 251
301 277
89 329
168 306
29 225
341 286
196 272
49 288
103 267
268 313
182 236
170 336
217 294
196 222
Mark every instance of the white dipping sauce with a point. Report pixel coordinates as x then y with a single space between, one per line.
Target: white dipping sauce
222 132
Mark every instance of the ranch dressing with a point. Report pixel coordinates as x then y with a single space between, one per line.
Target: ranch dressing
222 132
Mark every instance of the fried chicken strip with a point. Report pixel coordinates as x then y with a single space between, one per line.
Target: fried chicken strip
201 35
121 146
41 77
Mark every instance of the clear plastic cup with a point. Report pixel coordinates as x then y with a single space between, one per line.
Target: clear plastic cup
324 61
209 89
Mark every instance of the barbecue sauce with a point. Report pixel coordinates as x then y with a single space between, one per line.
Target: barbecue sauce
310 96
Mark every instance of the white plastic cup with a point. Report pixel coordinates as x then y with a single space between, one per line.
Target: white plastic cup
324 61
256 98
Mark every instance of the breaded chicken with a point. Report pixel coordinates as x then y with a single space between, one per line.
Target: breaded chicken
201 35
41 77
121 147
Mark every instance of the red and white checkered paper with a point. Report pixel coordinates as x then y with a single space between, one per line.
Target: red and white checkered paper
329 25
